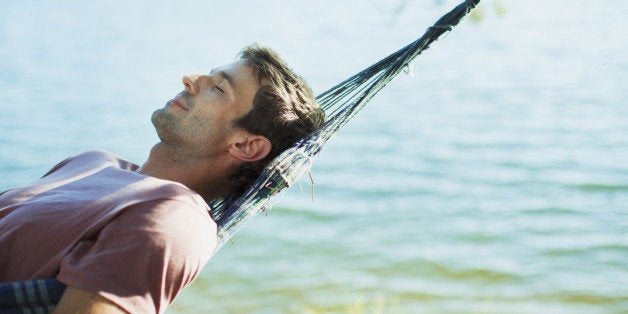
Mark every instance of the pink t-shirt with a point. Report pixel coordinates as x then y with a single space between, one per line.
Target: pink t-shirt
94 224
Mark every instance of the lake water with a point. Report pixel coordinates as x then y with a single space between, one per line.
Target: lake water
493 180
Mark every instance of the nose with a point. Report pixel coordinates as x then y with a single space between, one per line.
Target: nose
193 82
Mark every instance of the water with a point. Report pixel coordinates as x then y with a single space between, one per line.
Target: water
494 180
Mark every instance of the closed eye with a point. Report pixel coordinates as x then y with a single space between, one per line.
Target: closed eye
220 90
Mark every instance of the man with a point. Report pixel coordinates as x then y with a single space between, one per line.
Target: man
125 238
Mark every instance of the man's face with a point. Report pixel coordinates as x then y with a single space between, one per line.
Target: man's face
201 117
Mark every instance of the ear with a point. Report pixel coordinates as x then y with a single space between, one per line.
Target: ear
250 147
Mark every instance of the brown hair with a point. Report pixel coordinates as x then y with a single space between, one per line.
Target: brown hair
284 111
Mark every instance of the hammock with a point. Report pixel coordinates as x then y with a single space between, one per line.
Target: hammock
34 296
340 103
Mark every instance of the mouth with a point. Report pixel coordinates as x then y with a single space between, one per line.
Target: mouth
178 101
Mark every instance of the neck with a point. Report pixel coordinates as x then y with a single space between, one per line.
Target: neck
206 176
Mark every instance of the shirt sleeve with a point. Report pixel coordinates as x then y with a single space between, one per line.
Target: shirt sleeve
144 257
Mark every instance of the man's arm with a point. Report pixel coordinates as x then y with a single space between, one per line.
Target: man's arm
75 300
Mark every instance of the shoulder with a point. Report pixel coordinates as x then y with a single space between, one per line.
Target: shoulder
174 239
179 224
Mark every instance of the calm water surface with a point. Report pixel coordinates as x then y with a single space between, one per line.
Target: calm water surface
493 180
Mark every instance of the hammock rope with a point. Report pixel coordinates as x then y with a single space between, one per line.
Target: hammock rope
340 103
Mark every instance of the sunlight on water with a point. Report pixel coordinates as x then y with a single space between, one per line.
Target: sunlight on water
492 180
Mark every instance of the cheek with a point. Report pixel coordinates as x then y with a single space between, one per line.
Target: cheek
207 129
199 124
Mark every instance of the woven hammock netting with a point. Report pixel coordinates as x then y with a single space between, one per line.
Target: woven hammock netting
340 104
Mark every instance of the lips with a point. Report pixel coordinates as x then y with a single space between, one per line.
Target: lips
180 102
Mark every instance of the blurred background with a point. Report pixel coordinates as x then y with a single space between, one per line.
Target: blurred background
492 180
